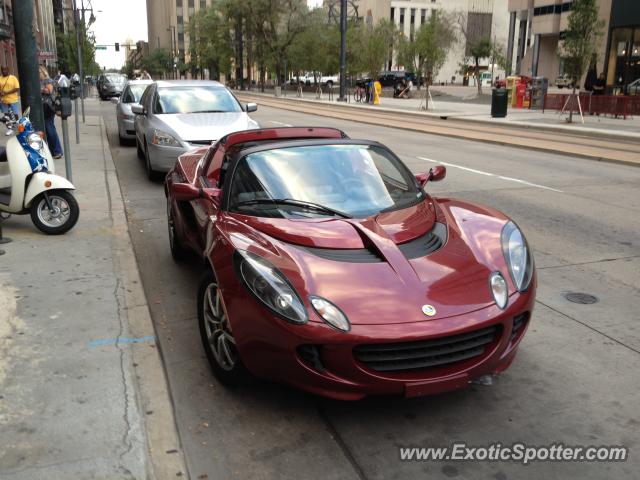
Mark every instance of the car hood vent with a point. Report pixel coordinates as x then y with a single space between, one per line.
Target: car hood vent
351 255
428 243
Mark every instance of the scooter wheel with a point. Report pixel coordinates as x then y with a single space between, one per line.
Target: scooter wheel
61 219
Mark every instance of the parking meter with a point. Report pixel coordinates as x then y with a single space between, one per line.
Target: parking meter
63 98
75 86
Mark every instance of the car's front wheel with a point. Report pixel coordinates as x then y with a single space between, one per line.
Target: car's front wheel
140 152
178 252
217 337
151 173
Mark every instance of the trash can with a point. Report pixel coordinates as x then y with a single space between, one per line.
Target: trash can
499 101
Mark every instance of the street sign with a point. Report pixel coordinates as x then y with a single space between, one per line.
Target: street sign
101 47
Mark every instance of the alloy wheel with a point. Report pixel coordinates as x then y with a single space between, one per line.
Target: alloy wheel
220 340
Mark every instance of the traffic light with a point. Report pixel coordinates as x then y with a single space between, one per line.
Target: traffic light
117 47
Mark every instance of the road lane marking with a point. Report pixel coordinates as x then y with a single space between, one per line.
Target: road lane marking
280 123
489 174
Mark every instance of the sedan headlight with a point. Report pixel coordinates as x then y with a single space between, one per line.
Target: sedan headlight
330 313
517 255
269 286
163 139
35 141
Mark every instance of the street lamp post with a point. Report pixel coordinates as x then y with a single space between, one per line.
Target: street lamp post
174 50
343 51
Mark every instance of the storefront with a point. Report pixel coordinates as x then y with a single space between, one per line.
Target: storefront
623 53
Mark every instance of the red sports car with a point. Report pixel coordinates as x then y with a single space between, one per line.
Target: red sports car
330 268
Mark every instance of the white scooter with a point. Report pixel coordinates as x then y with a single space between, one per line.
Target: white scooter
28 183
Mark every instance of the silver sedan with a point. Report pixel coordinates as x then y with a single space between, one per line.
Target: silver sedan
174 117
131 95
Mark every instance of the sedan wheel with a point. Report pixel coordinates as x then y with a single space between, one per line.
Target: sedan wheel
217 339
151 173
178 252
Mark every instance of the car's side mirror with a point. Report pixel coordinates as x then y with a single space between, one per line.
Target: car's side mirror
251 107
137 109
184 192
436 174
114 100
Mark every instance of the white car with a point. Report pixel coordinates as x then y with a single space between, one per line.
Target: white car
177 116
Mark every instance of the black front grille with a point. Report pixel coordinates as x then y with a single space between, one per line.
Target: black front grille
312 356
519 321
398 357
351 255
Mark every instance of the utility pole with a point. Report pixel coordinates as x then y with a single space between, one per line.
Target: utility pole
343 51
27 53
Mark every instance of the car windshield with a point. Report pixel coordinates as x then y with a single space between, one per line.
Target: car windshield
195 99
322 180
119 79
134 92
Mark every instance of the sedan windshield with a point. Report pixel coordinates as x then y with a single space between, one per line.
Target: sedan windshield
195 99
134 92
322 180
117 79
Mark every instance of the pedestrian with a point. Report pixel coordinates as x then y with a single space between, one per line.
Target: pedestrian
9 88
145 75
46 86
599 85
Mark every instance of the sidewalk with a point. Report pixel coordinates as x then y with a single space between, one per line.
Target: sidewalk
82 387
609 127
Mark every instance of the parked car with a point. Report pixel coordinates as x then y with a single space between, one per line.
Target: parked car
131 95
394 77
111 85
177 116
309 79
331 268
564 81
634 87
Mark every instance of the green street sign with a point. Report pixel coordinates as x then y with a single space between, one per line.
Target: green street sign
101 47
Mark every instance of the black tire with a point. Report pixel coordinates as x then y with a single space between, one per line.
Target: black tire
233 373
152 174
140 152
122 141
39 209
178 252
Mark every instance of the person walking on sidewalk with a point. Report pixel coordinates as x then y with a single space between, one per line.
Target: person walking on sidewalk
46 86
9 88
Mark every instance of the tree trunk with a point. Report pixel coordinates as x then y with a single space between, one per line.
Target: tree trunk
478 76
426 95
573 95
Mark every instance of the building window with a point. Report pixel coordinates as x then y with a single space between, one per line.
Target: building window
180 20
393 14
402 16
203 4
423 15
552 9
179 11
413 16
178 3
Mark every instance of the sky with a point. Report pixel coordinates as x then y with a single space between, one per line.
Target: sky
118 20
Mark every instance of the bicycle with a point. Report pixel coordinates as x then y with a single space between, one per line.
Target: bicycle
359 94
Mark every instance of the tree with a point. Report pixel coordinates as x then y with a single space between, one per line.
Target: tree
580 41
481 48
158 61
372 45
428 52
67 47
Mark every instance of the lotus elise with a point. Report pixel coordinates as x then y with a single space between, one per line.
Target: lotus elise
331 268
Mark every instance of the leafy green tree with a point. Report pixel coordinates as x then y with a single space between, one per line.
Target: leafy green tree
428 51
66 45
158 62
482 48
581 39
372 44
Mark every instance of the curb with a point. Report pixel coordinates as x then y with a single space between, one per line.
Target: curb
457 116
156 406
291 103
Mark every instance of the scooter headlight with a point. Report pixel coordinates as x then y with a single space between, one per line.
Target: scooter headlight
35 142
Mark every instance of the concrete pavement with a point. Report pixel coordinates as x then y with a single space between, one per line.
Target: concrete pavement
82 388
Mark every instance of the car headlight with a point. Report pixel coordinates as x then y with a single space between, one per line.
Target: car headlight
499 289
269 286
163 139
35 141
518 256
330 313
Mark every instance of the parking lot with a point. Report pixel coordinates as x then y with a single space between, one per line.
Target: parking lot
571 383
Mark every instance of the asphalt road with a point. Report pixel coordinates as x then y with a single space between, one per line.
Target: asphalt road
573 382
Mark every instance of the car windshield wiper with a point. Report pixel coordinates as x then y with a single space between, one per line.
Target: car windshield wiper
292 202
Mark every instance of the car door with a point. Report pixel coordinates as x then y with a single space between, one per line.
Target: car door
140 121
205 210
